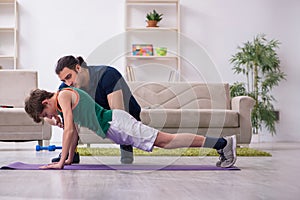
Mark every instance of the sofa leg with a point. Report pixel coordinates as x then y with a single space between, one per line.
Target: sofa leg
44 142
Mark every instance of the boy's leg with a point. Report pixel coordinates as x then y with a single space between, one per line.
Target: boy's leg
126 154
225 146
172 141
229 151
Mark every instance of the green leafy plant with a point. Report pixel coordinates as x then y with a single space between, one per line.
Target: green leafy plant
154 16
259 63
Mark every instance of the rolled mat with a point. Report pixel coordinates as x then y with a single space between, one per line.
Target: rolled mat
26 166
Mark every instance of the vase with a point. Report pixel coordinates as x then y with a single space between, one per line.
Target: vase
152 23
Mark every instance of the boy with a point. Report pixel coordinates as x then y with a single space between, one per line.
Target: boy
77 107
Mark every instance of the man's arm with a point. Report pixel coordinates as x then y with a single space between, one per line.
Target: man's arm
54 122
115 100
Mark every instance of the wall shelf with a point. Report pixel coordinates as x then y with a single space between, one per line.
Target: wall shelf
151 1
8 34
150 28
166 35
10 29
152 57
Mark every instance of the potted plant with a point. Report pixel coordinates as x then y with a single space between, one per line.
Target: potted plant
259 63
153 18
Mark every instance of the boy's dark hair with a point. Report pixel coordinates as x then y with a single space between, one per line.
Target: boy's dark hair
69 62
33 103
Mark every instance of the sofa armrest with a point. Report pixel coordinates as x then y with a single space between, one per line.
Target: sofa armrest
244 105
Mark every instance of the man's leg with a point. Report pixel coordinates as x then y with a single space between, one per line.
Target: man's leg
126 154
76 158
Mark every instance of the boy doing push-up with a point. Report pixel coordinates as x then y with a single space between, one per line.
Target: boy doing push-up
78 108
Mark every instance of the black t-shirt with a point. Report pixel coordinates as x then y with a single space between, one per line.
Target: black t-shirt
105 80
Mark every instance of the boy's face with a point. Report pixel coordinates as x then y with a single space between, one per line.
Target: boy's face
49 110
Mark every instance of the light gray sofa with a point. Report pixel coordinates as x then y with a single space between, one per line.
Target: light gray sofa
199 108
15 124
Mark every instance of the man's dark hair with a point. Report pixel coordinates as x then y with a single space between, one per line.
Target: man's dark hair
69 62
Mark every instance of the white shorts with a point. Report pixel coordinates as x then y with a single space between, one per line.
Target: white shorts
126 130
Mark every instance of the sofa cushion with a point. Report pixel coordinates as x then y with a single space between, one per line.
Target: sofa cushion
186 118
15 116
181 95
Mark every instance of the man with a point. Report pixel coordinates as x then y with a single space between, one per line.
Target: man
105 85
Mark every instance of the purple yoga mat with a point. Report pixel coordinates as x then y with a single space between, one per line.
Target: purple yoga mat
25 166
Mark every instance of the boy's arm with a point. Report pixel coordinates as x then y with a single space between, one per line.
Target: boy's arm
73 146
65 102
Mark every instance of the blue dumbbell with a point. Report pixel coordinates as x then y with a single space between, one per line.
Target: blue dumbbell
49 148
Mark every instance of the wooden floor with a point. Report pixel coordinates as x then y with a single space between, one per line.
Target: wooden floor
273 178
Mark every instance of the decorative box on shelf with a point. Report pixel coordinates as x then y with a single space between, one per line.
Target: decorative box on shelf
142 50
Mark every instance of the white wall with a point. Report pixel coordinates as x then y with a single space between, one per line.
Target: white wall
222 25
49 29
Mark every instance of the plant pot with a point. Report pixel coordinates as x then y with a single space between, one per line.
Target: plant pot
152 23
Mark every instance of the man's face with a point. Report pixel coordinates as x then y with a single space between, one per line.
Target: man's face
68 76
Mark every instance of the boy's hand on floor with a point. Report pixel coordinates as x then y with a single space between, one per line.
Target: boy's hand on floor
68 161
56 165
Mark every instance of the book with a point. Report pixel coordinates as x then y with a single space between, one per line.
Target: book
5 106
